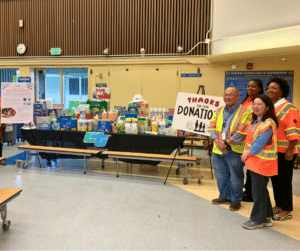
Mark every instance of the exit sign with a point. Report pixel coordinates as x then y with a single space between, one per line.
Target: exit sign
55 51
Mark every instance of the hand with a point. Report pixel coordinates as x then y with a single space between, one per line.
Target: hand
220 144
224 151
245 155
289 154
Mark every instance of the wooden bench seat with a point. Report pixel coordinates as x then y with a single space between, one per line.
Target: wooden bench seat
7 195
59 150
153 157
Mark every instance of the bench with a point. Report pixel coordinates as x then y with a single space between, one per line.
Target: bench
59 150
181 160
7 195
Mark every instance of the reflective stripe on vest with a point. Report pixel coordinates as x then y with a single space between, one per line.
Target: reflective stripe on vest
266 154
234 127
283 112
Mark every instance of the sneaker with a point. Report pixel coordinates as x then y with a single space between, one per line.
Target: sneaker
234 206
252 225
219 201
268 223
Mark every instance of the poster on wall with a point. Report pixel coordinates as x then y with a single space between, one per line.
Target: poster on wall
193 112
16 103
240 80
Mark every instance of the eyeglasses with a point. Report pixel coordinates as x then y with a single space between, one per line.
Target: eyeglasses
229 95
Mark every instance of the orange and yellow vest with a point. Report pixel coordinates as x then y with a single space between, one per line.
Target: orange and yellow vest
265 161
248 104
288 125
240 123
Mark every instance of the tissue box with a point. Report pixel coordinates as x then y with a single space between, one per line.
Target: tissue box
101 93
58 106
104 126
43 120
122 110
44 126
75 104
38 106
65 122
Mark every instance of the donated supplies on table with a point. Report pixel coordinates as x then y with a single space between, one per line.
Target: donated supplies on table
95 115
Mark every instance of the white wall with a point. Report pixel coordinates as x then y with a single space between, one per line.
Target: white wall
240 17
245 25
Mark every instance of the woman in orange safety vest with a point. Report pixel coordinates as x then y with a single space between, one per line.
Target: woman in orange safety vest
254 88
260 157
288 140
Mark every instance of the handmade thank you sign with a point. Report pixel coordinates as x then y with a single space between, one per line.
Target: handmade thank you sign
193 112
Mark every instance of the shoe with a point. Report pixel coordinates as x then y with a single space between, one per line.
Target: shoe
246 198
219 201
234 206
252 225
2 163
268 223
282 218
276 210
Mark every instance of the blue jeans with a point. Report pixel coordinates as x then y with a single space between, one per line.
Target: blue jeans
230 175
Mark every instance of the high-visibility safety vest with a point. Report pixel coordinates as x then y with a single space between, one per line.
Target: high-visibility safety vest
265 162
240 123
288 125
248 104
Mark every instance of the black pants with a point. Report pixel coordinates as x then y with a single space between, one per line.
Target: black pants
248 186
262 208
282 183
1 145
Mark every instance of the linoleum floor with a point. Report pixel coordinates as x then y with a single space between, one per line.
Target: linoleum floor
61 208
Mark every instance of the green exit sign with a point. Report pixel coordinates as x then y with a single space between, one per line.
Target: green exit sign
55 51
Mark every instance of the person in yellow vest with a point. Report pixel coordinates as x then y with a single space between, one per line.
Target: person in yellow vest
288 141
254 88
260 157
227 131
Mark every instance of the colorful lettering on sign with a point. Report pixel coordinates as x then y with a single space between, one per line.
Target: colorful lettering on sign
205 101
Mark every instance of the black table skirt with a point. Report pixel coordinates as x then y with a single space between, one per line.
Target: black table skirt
142 143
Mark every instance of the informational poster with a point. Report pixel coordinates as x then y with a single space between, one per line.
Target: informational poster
193 112
240 80
16 103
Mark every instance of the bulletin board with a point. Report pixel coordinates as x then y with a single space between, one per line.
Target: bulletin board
240 80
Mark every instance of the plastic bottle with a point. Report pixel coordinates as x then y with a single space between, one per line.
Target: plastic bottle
155 113
165 113
151 113
159 115
154 127
95 123
53 122
162 127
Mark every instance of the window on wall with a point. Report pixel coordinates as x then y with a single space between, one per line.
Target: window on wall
52 85
75 85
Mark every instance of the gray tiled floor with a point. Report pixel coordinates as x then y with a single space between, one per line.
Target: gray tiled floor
69 210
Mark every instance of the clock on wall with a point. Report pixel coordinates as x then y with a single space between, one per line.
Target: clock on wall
21 48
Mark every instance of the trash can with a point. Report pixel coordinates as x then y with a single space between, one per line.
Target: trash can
9 134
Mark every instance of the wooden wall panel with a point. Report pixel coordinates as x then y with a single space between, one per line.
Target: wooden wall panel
87 27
